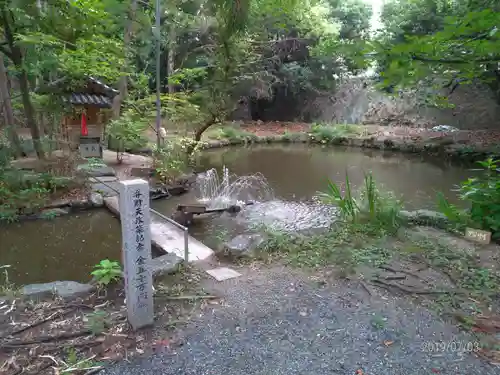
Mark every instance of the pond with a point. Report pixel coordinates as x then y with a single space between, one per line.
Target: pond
296 173
66 248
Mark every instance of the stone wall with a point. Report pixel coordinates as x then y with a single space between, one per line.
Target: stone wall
355 102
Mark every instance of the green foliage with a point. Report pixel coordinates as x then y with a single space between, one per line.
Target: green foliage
439 44
97 322
7 288
127 132
171 159
75 37
373 207
345 246
459 217
177 109
325 133
234 134
346 203
482 194
106 272
461 267
25 193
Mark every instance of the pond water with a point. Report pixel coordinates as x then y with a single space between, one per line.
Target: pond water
296 173
66 248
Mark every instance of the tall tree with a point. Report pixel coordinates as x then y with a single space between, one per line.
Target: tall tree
125 71
7 109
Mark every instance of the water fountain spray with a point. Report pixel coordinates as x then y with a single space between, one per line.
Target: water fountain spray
220 193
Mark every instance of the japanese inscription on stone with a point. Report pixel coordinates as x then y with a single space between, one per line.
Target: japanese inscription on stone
90 147
136 235
477 235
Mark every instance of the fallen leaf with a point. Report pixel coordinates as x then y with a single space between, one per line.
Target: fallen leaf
388 342
359 372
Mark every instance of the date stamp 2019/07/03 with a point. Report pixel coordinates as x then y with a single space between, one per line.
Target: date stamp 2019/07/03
450 346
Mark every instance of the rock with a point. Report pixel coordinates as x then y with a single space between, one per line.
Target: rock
96 199
80 204
95 170
243 245
444 128
186 179
52 212
425 217
64 289
439 237
144 172
107 186
165 264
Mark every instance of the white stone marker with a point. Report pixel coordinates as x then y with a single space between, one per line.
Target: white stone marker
136 251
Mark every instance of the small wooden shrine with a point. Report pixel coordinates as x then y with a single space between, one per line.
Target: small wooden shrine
90 111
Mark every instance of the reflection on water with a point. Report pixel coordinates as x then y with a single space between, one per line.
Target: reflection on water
296 173
65 248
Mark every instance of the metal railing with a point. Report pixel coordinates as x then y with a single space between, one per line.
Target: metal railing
166 218
182 227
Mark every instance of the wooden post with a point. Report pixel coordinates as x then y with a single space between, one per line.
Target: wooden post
136 237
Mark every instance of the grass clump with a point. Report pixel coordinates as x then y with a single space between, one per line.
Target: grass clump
359 238
373 208
345 247
7 288
234 134
325 133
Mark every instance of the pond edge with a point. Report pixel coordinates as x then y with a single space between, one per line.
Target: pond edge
433 147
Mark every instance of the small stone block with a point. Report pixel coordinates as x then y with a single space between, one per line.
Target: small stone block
223 273
480 236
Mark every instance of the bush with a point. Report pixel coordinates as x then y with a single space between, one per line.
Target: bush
234 134
331 133
171 159
127 132
483 196
23 192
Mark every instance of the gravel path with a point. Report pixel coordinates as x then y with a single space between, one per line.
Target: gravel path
276 321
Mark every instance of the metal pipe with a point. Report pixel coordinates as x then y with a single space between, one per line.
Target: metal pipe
158 75
186 245
166 218
185 229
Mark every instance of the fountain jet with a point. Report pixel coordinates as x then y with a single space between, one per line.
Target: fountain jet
215 192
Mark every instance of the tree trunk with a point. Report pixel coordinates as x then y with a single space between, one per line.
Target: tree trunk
29 112
122 83
171 58
199 133
7 110
17 58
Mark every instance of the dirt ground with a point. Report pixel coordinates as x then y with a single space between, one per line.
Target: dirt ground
53 336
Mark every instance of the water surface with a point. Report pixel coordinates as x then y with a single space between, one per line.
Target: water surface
67 247
64 248
297 172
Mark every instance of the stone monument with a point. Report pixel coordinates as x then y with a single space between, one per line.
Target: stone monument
136 251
